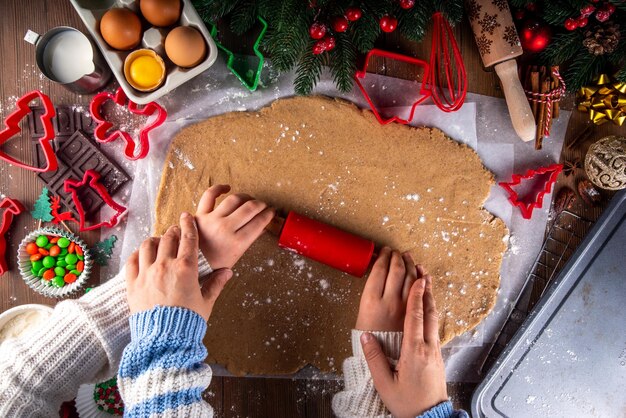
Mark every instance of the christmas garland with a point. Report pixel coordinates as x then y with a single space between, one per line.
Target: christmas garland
308 35
587 37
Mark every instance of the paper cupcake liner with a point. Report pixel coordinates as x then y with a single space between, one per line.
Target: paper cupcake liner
36 283
86 406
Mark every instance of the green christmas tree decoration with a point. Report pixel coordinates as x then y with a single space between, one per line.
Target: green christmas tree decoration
288 41
103 250
42 210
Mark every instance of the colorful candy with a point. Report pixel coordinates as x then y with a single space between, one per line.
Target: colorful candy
57 260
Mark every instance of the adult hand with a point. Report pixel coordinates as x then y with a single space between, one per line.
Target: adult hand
228 230
386 291
418 382
164 271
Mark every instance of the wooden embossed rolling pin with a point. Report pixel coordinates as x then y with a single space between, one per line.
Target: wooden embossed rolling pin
323 243
498 45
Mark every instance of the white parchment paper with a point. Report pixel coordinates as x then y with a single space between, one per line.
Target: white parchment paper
483 123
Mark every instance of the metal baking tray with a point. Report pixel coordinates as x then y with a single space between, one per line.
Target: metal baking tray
569 357
91 11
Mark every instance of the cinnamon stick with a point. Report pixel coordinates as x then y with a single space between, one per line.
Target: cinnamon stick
534 87
545 87
557 83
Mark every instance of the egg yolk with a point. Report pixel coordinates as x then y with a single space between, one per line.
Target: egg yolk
145 71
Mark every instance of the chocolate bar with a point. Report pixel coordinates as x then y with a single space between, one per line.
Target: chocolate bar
76 152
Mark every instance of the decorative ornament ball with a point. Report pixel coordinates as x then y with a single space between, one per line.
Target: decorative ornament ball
340 24
602 15
570 24
388 23
519 14
329 43
531 7
319 47
605 163
587 10
582 21
535 36
407 4
353 13
317 30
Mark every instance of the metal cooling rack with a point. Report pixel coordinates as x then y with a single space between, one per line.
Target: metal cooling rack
565 234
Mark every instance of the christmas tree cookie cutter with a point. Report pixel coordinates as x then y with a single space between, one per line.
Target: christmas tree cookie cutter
12 128
91 179
238 64
527 208
12 208
103 125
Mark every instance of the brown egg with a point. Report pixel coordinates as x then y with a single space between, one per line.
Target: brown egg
121 28
160 12
185 46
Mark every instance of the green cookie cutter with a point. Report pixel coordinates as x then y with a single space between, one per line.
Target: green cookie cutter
239 64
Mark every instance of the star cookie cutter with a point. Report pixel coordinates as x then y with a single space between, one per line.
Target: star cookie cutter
249 76
11 208
91 178
12 128
424 92
102 127
527 208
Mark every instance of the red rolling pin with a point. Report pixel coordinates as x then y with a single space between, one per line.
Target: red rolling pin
323 243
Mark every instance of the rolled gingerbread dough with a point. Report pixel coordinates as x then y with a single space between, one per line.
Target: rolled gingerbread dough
409 188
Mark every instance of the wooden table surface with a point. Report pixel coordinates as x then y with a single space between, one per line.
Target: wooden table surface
231 397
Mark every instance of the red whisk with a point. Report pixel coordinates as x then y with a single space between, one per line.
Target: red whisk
447 80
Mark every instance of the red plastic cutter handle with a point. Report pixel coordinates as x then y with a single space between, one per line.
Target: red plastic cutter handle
326 244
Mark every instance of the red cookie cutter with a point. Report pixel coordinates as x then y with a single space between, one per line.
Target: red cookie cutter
444 80
12 124
527 208
100 133
11 208
424 91
91 178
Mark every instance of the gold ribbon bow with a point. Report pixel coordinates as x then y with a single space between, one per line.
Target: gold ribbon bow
605 100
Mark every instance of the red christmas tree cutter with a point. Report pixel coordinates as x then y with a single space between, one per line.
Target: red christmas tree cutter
103 126
12 128
444 80
11 208
527 208
92 179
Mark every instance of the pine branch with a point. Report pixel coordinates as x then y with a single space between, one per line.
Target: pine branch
309 70
213 10
520 4
563 47
451 9
244 17
364 32
414 22
582 70
621 75
287 35
559 10
343 62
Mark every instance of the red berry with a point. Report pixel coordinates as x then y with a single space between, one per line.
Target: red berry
519 14
340 24
388 23
407 4
609 8
570 24
329 42
582 21
353 13
319 47
587 10
602 15
317 30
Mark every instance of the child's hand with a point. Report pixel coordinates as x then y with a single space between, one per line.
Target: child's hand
418 382
164 271
228 230
385 294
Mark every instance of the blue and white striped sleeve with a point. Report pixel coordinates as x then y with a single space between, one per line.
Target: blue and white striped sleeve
162 372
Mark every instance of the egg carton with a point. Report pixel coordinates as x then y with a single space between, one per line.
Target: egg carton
91 11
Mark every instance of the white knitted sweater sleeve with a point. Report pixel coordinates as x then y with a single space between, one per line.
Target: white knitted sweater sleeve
359 398
82 342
